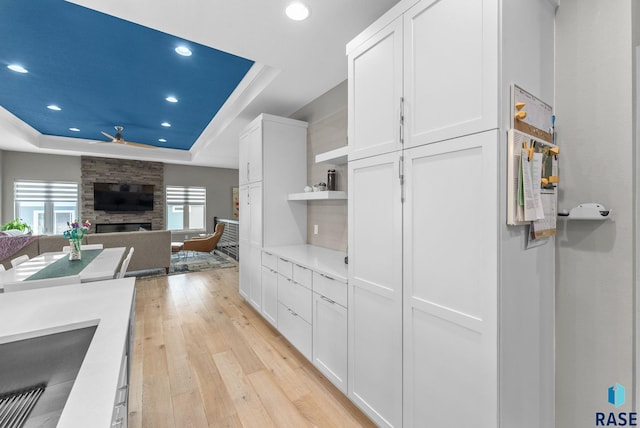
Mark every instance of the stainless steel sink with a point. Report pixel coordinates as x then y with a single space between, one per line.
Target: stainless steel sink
51 360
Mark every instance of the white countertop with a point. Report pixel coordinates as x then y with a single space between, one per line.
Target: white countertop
319 259
107 304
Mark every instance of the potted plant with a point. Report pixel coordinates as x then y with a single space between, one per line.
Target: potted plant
16 224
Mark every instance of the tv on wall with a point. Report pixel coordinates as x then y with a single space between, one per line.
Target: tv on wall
122 197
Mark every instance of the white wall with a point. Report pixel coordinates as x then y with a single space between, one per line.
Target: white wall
594 260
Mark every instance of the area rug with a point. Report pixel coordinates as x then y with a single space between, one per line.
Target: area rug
194 262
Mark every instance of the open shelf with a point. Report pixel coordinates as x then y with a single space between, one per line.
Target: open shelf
335 157
309 196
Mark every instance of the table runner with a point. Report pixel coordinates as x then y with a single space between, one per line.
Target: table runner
66 267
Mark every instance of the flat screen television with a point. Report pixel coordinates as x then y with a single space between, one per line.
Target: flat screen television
122 197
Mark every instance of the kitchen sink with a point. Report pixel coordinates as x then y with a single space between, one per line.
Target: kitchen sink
47 364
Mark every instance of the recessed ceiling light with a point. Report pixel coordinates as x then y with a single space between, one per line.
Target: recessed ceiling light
17 68
172 99
74 129
162 140
183 50
165 124
53 107
297 11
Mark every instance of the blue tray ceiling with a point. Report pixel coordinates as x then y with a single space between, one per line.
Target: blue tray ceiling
103 71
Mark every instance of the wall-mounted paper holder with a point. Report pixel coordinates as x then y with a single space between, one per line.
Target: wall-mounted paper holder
586 211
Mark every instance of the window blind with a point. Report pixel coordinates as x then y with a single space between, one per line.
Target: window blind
189 195
36 191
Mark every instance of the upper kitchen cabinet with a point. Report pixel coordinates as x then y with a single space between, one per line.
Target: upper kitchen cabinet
250 156
427 74
375 93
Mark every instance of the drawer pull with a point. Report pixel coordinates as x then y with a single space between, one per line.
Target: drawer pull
327 276
284 260
328 300
292 313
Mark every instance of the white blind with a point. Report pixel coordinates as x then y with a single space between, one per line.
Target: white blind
189 195
36 191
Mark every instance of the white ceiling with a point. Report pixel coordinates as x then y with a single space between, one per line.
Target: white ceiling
295 63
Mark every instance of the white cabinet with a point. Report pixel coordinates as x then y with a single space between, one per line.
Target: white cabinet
270 295
294 309
250 241
272 165
442 330
375 93
250 165
450 282
429 74
330 329
375 287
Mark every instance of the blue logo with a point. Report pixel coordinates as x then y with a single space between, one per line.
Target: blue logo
616 395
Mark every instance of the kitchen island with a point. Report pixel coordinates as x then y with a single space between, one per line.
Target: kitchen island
98 395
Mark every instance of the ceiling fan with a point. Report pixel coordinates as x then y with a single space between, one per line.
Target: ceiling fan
119 139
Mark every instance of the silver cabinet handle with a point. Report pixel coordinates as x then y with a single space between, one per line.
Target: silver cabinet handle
328 300
327 276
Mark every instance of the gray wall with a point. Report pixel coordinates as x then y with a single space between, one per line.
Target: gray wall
595 336
31 166
218 181
28 166
327 117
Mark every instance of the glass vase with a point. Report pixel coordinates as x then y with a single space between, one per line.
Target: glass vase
75 249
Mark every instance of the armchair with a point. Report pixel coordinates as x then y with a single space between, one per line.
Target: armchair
204 244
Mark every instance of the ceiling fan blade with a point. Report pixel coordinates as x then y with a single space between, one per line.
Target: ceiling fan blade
131 143
107 135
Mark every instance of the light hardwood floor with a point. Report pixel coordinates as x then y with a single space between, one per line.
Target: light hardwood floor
204 358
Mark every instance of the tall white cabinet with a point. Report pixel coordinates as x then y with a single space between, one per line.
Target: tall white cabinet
272 160
435 307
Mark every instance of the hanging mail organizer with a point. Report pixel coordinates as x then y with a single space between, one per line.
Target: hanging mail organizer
533 166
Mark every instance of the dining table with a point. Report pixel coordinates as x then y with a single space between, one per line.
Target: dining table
95 265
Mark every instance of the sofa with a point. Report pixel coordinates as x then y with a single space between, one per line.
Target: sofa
152 248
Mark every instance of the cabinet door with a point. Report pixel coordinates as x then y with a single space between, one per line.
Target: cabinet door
255 216
330 340
250 156
450 282
375 288
270 295
244 242
450 69
375 91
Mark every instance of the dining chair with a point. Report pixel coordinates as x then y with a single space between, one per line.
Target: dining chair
41 283
125 264
19 260
67 248
2 268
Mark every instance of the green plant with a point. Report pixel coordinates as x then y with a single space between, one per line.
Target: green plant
16 224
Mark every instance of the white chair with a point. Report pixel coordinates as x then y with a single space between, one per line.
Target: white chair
2 268
41 283
19 260
67 248
125 264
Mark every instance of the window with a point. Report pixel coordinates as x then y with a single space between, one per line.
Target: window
186 207
46 206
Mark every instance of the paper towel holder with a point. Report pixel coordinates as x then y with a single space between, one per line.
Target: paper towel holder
586 211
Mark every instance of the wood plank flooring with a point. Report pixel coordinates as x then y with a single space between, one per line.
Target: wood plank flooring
203 357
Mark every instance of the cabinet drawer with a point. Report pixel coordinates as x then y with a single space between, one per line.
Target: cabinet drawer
295 329
285 267
269 260
295 297
303 276
331 288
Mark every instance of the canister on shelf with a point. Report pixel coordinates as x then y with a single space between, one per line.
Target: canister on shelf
331 179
